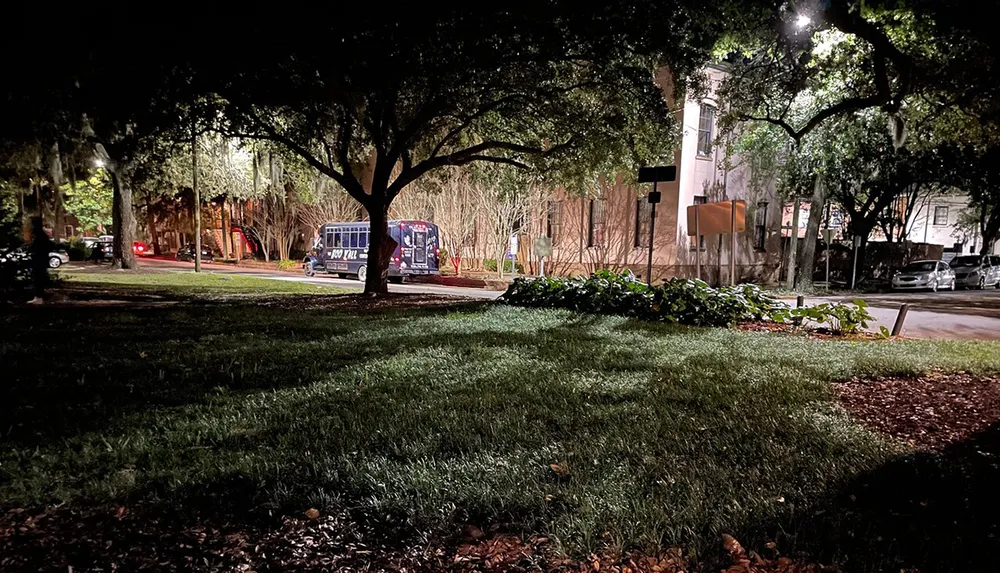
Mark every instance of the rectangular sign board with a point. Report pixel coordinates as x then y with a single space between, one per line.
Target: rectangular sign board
543 247
716 218
661 173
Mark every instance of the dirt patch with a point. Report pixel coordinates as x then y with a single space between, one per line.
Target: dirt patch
928 412
144 539
812 332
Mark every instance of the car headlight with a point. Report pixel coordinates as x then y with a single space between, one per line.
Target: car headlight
925 276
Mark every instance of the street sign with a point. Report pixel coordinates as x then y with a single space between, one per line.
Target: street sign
654 197
660 173
543 247
716 218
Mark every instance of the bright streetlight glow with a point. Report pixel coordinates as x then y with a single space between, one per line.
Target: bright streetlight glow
802 21
99 162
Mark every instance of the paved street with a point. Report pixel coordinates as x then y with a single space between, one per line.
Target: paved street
972 315
965 315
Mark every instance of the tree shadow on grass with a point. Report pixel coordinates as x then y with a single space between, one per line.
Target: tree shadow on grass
70 370
83 369
931 511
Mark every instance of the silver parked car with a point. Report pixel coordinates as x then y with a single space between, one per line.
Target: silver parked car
977 271
931 275
57 259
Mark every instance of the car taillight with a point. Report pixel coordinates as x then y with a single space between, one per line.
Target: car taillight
140 248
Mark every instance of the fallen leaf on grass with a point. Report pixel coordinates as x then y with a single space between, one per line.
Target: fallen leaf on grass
312 513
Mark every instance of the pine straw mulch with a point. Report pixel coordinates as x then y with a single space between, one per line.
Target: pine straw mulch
119 539
928 412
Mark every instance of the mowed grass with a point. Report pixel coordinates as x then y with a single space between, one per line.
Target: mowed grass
190 282
663 435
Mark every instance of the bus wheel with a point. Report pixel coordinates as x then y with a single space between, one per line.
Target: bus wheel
396 280
362 273
310 271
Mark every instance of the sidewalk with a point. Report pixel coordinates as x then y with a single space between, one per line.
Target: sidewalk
924 324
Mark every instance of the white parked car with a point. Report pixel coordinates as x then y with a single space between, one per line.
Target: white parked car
977 271
931 275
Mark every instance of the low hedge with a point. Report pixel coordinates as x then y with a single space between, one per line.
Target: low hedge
678 300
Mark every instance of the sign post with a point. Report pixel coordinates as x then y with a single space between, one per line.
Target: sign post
654 175
732 250
717 219
697 242
543 250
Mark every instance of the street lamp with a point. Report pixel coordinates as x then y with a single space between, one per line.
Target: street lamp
802 20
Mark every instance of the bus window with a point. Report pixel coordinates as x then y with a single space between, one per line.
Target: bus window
336 239
363 239
354 239
329 238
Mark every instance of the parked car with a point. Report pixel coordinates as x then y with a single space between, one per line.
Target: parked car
932 275
22 257
102 251
186 253
141 249
976 271
58 258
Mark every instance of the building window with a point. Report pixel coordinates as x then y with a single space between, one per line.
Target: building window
596 226
941 215
643 217
706 123
699 200
553 221
760 226
68 231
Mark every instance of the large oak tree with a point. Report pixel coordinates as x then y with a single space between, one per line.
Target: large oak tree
378 100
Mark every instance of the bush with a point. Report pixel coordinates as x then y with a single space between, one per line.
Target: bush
681 301
508 266
76 250
840 318
289 264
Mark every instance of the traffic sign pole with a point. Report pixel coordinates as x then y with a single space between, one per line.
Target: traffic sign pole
653 199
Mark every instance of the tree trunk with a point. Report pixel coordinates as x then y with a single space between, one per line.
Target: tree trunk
990 231
122 223
197 200
380 247
226 239
151 225
808 261
793 245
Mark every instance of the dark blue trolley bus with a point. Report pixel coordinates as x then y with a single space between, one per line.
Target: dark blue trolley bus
342 249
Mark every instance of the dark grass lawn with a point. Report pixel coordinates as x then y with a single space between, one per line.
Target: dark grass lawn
437 417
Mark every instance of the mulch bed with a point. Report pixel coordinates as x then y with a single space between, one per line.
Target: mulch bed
928 412
812 332
141 539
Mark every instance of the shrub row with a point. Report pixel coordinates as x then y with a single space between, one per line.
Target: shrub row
678 300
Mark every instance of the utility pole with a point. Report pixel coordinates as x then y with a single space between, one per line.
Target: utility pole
197 197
